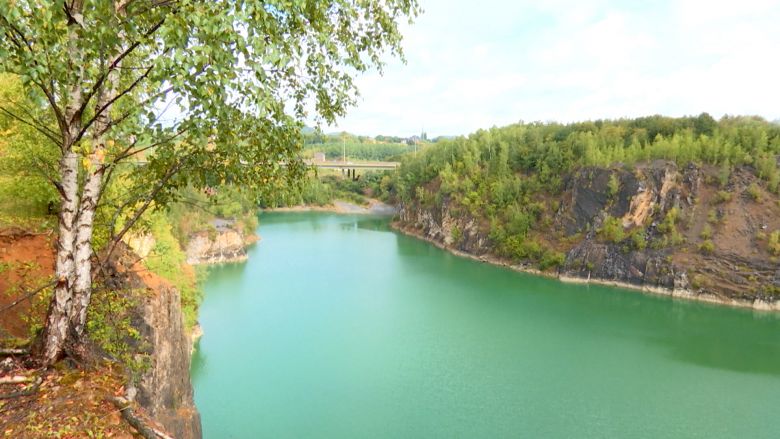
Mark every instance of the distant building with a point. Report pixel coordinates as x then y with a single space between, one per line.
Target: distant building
319 156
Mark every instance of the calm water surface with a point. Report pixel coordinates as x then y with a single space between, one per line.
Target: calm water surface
338 327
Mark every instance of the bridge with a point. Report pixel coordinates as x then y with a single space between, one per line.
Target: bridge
352 168
382 166
347 167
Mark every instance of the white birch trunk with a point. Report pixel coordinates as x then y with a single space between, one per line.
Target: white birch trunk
82 291
56 328
82 286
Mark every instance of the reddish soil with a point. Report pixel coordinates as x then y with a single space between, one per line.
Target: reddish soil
26 262
62 401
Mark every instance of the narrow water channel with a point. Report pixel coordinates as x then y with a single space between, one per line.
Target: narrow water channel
338 327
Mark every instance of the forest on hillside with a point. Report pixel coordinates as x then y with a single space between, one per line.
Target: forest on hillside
509 178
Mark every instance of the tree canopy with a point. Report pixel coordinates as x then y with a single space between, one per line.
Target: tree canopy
188 92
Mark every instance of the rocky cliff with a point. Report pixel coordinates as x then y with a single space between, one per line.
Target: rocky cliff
224 244
675 232
163 389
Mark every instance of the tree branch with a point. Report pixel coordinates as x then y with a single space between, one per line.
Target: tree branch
115 238
96 87
35 126
26 296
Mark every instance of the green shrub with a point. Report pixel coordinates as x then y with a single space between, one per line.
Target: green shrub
613 186
638 240
551 259
712 216
518 248
612 230
722 197
109 325
754 192
706 232
668 224
168 260
456 234
707 247
773 245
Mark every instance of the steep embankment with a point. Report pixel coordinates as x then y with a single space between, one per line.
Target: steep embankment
654 227
163 389
136 317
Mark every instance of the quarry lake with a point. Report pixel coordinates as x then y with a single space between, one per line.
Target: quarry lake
339 327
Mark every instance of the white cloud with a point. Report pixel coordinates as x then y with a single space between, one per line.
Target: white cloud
474 66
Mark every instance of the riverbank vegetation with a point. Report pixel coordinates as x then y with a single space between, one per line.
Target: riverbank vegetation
321 190
510 180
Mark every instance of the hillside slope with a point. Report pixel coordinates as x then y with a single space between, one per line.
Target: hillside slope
694 223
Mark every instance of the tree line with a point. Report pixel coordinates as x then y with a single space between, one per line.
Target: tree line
501 174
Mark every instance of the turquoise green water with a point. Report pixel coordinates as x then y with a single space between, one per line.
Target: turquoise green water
338 327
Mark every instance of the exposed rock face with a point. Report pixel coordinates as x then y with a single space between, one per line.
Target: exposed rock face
444 226
609 262
164 390
141 243
737 271
224 245
643 196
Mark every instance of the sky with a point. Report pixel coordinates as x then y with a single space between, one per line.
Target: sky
473 65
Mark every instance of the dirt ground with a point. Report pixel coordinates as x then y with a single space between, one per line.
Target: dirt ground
26 264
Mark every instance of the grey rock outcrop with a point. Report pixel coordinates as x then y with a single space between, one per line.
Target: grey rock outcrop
223 245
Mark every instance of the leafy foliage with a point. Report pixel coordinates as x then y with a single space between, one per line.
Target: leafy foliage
99 77
361 151
707 247
612 230
26 163
110 326
774 243
507 176
168 260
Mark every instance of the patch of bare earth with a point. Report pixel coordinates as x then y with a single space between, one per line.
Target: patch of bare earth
66 401
740 263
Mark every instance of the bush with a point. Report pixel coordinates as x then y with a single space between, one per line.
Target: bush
706 232
667 226
110 326
712 216
520 249
722 197
456 234
773 245
612 230
168 260
707 247
613 186
754 192
638 240
552 259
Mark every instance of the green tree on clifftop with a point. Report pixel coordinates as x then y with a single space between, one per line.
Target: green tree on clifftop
241 74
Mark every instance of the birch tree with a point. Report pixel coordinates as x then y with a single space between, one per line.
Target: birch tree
189 92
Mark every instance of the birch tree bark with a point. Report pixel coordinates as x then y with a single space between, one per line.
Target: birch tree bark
90 197
56 328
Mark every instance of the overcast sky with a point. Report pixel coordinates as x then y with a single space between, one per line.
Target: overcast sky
490 63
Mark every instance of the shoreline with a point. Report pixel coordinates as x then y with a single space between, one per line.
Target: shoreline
374 207
679 293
